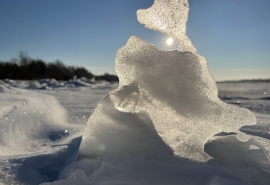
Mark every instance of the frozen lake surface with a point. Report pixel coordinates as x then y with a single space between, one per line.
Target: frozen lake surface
42 122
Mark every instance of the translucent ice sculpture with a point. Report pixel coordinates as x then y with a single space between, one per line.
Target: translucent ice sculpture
167 101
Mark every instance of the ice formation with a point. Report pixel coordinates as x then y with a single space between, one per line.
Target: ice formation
167 101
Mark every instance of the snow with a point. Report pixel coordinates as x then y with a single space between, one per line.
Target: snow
41 129
40 159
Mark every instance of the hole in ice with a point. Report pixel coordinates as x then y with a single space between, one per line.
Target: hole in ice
159 40
169 41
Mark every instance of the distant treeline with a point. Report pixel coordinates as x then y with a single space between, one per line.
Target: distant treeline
26 68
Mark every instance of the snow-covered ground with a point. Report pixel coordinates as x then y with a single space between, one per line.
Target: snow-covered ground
253 96
42 122
41 126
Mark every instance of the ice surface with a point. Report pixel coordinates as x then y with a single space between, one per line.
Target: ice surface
254 96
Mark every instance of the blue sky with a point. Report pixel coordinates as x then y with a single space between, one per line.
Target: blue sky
233 35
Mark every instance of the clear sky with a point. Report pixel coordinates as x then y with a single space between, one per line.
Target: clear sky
233 35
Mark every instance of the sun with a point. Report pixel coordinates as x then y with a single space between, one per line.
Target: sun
169 41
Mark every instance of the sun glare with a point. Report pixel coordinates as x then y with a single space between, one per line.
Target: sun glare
169 41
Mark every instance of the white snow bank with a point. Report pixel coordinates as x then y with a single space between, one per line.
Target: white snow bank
51 84
6 88
43 129
28 120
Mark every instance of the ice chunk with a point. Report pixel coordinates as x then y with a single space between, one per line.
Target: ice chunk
167 101
163 96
